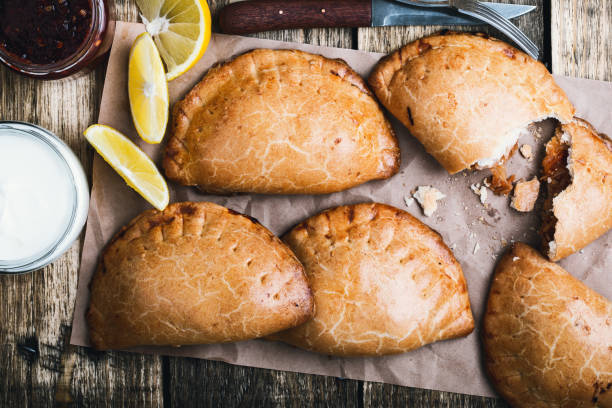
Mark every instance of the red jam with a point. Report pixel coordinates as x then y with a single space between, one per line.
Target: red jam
44 31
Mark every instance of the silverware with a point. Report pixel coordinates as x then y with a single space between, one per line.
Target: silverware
261 15
482 12
394 13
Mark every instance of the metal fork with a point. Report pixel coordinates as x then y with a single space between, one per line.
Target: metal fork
482 12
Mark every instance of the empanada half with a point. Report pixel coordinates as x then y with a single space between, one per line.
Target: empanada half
382 281
547 336
466 97
194 273
577 170
280 122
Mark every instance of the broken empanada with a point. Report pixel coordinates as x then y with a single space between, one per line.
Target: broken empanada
466 97
577 171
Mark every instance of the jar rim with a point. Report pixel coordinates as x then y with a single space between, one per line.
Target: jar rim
99 18
80 200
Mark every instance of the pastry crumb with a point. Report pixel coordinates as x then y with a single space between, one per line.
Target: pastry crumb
480 191
566 138
483 194
427 197
408 200
525 195
476 248
535 130
526 151
500 183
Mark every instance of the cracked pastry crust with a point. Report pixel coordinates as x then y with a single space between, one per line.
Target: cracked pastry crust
467 97
280 122
578 207
194 273
547 337
382 281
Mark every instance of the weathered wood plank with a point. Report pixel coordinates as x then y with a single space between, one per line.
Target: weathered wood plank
385 395
582 38
212 383
39 368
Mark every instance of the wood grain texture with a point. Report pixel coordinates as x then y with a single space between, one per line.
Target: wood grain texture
581 44
260 15
39 368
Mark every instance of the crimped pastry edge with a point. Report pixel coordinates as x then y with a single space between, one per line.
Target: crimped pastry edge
185 108
415 49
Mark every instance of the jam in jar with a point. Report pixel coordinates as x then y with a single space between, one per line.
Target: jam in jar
52 39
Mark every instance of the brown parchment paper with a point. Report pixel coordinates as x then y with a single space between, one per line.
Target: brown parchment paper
462 220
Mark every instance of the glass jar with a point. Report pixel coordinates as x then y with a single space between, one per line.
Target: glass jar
95 44
43 211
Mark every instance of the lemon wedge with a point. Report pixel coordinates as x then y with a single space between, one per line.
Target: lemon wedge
147 90
131 163
181 30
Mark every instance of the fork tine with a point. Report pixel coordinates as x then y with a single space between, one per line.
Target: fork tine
513 31
505 26
486 10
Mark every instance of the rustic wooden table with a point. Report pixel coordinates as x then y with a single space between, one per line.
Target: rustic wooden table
40 368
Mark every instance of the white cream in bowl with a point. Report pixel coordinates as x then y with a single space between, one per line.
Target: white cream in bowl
43 197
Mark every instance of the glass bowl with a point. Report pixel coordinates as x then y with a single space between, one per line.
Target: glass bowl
94 46
79 197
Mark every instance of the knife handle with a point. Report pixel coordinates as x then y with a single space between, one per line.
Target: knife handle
262 15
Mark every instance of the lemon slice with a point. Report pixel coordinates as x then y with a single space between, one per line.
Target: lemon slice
131 163
181 30
148 90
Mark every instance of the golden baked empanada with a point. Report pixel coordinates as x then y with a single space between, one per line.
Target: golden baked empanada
280 121
547 337
467 98
194 273
382 281
577 169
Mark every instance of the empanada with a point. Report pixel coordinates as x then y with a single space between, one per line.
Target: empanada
547 337
382 281
467 98
577 170
280 122
194 273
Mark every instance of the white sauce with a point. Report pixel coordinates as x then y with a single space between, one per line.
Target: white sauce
36 197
